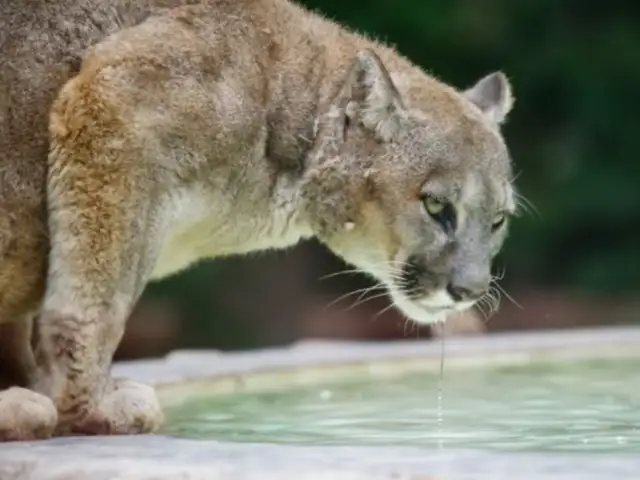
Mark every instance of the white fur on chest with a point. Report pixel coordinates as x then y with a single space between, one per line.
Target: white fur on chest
197 228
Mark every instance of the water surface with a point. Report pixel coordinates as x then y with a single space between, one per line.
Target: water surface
584 407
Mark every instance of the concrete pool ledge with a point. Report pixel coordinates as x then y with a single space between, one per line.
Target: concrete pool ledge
312 362
159 458
155 457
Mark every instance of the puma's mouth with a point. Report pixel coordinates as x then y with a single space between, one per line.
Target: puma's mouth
429 309
437 301
442 301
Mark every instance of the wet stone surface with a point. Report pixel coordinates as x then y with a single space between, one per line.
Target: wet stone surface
159 458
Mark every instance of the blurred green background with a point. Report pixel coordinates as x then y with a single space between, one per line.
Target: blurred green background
573 134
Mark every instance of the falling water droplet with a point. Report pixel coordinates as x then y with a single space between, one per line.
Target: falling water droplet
440 389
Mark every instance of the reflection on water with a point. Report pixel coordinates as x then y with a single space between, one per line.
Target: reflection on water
590 407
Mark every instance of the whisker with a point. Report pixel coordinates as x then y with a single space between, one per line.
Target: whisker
526 205
366 299
373 287
481 308
341 272
391 267
410 327
346 295
494 296
516 176
499 276
489 301
506 294
385 309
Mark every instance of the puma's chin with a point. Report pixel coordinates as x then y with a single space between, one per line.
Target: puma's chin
430 309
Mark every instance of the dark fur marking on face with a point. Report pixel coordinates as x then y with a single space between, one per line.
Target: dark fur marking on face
410 275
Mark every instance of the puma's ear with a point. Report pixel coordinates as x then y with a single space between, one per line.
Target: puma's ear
373 97
492 95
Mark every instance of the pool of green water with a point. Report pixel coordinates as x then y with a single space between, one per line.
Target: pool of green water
588 406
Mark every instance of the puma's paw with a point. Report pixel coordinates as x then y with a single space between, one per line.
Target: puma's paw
26 415
128 408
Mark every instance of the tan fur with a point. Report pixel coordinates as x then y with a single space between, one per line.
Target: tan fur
41 43
236 126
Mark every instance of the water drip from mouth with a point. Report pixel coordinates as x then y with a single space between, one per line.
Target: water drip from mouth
440 415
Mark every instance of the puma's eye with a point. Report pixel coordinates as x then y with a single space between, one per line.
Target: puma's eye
442 212
498 221
434 206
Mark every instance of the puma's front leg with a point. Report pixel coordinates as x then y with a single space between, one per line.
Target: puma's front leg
104 236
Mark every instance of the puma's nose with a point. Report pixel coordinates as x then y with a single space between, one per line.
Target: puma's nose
461 293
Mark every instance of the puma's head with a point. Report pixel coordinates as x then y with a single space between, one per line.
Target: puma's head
410 181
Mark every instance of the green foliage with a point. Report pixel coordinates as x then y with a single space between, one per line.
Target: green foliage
207 321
